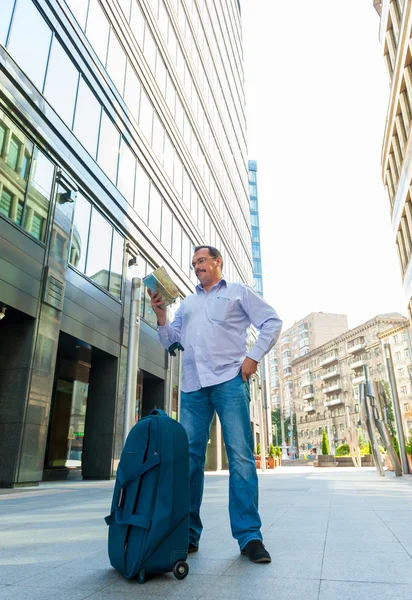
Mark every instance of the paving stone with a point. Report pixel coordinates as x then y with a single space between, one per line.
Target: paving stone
348 590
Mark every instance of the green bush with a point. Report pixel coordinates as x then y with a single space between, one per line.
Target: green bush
396 446
278 451
271 451
258 450
325 443
408 446
343 450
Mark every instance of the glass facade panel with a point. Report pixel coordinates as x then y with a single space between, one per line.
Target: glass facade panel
155 211
125 6
116 62
132 91
37 205
29 25
108 152
87 118
97 30
177 241
158 135
141 193
126 174
79 10
137 23
80 233
146 115
166 227
186 254
116 265
98 255
61 96
6 12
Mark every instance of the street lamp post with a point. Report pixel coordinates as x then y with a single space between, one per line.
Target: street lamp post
132 358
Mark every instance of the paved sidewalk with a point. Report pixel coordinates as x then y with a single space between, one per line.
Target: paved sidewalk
334 534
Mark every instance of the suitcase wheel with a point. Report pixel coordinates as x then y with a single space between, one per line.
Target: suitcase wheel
141 576
180 569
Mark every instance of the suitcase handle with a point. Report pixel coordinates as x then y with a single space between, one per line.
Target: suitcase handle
176 346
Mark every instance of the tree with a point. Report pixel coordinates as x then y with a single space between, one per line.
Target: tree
325 443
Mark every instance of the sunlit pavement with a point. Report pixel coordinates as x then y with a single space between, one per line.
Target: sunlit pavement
334 534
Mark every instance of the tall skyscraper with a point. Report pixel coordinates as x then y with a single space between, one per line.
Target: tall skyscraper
254 221
122 134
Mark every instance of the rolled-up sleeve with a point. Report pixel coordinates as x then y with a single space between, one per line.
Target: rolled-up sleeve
266 321
169 333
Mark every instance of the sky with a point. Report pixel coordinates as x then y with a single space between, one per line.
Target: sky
316 101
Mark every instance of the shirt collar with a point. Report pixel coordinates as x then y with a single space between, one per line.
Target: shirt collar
221 282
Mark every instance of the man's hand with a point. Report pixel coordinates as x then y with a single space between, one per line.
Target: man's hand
249 368
156 302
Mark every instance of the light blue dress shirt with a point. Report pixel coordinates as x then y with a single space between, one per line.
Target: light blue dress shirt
212 328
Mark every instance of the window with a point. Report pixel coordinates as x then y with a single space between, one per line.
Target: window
36 209
141 193
400 373
395 339
407 353
108 151
256 250
6 12
79 10
98 255
132 91
404 390
155 211
177 241
87 118
80 234
145 115
97 30
186 254
254 219
116 62
116 265
126 174
377 351
137 23
61 69
398 356
166 227
29 25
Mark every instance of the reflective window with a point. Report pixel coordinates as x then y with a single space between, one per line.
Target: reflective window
166 238
186 254
161 74
79 10
37 205
137 23
254 219
108 152
125 6
98 255
178 175
87 118
149 50
168 156
116 265
6 12
16 152
141 193
158 135
132 91
126 174
177 241
80 233
29 25
97 30
146 115
155 211
62 96
116 62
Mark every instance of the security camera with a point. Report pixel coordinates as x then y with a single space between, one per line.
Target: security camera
3 312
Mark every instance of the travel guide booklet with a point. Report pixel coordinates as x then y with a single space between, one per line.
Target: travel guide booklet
159 281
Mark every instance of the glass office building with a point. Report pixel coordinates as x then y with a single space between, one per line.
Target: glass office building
122 134
254 221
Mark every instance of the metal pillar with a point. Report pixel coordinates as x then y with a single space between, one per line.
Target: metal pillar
132 358
396 408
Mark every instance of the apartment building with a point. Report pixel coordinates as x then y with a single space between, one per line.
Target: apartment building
325 382
395 33
122 135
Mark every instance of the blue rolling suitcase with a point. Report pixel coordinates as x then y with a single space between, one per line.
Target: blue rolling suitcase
149 518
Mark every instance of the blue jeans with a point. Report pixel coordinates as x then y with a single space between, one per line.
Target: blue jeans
231 401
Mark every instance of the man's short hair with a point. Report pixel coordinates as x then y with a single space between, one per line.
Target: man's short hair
213 252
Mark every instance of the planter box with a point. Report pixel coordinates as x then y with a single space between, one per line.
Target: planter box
326 460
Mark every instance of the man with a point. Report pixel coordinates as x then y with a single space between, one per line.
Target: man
211 325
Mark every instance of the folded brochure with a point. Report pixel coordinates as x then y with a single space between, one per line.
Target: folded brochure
160 281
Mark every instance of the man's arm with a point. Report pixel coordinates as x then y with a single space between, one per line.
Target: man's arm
266 321
169 333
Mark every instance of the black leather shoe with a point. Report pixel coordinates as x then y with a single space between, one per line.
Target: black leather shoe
256 552
192 548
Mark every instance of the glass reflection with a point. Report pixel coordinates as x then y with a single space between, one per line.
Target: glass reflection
15 155
108 153
79 10
80 234
29 25
126 174
116 266
6 11
38 198
98 255
61 96
87 118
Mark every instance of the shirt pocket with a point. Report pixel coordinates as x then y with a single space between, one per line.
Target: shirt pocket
219 308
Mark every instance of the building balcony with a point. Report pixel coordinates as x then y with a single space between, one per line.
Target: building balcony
309 408
328 359
332 388
305 371
334 402
356 364
305 382
357 347
330 374
358 380
308 396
